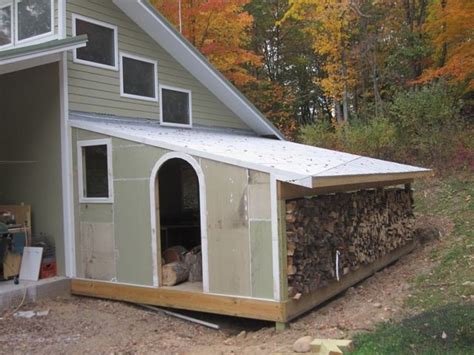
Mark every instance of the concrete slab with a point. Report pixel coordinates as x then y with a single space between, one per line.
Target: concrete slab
11 294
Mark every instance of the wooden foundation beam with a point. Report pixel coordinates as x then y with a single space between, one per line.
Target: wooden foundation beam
195 301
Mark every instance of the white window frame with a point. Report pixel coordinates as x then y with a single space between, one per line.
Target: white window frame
34 38
99 23
80 170
155 72
172 124
12 21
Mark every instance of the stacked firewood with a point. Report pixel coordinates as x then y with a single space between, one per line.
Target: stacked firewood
360 226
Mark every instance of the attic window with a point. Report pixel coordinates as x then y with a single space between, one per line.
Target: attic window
6 25
139 77
102 45
175 107
95 171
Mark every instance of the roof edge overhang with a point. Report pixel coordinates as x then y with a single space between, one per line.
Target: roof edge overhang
164 33
44 49
311 182
330 181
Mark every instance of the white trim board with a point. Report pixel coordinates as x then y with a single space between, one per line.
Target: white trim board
202 209
80 170
67 173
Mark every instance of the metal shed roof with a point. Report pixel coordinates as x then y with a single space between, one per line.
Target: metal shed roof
290 162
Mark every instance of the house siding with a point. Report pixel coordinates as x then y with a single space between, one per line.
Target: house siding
97 90
238 222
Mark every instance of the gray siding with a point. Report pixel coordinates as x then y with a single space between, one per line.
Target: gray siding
97 90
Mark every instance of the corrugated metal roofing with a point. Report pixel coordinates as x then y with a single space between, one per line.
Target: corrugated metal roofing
291 162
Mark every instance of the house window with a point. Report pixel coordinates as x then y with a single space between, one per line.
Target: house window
95 171
102 45
139 77
25 21
6 24
175 107
34 19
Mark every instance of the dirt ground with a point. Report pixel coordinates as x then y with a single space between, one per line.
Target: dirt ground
84 325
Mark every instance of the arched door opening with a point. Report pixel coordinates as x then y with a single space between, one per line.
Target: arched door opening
180 224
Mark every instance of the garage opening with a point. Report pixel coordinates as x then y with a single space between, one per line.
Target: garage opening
30 167
180 228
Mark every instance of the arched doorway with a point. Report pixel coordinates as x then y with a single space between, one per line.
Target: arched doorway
179 228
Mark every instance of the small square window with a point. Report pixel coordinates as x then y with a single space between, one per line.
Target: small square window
34 18
175 107
95 171
138 77
6 25
101 49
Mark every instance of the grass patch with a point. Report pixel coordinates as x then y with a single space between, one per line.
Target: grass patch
445 330
443 298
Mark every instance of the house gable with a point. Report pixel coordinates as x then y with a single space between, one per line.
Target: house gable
97 90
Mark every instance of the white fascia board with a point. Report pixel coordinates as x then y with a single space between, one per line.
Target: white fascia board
41 53
279 174
183 52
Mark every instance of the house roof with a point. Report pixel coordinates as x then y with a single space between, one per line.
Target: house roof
46 48
290 162
164 33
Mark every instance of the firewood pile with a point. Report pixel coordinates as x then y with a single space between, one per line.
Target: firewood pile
180 265
363 226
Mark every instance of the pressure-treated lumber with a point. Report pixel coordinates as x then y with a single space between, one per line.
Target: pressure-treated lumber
195 301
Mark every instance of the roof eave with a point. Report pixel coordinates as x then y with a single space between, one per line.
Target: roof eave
330 181
43 49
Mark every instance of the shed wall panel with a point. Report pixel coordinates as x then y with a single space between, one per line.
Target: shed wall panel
228 228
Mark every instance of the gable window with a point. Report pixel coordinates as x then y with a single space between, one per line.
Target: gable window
138 77
34 18
95 171
102 45
175 107
6 24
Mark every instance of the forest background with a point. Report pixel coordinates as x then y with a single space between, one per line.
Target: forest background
392 79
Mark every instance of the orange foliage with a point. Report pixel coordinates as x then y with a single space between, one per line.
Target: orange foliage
452 28
220 30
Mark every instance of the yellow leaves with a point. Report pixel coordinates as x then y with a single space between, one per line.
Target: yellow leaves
331 24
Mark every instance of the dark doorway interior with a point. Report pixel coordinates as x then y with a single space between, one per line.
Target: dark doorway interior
179 205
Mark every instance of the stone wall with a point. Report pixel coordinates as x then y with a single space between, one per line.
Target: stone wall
362 226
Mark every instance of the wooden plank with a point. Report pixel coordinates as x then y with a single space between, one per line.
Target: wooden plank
328 181
294 308
195 301
289 191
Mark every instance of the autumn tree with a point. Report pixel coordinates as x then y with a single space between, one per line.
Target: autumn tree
219 29
331 24
451 27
